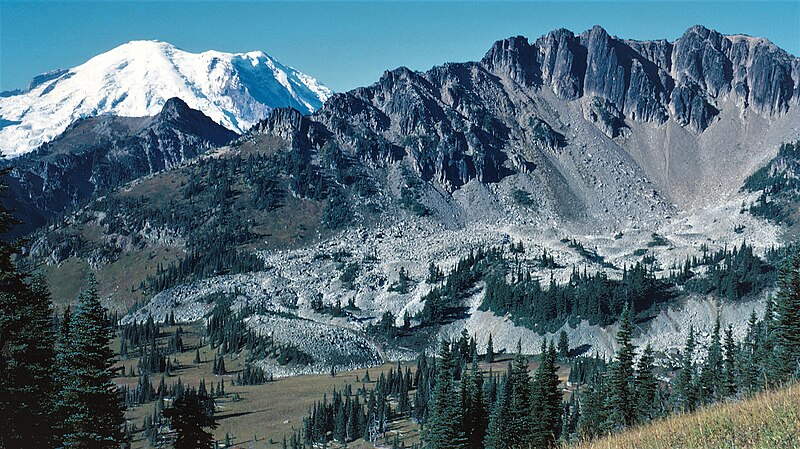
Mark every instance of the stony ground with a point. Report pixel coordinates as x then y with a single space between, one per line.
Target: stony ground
294 277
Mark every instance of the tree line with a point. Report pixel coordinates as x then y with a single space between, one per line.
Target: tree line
511 288
228 332
778 186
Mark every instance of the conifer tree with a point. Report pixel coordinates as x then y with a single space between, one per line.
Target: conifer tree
473 405
498 433
787 318
646 386
685 391
546 403
768 358
489 350
710 382
750 368
91 401
563 345
730 374
620 402
510 422
520 411
592 410
62 370
340 425
463 350
442 429
190 414
221 366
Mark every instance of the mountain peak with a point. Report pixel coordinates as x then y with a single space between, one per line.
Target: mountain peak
699 29
137 49
147 43
176 114
598 31
137 78
174 106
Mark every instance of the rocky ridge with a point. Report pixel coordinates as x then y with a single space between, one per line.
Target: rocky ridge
98 154
661 109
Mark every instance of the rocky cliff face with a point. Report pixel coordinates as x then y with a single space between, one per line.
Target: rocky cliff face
100 153
517 108
656 80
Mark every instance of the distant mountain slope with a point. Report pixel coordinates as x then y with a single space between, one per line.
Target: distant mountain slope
97 154
136 79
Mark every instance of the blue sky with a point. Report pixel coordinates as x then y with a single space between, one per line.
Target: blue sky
349 44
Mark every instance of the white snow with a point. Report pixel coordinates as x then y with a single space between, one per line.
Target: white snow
135 79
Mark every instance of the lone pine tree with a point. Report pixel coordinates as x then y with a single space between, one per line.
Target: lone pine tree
190 414
489 350
91 403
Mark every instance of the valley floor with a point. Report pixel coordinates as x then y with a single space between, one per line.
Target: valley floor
267 412
259 416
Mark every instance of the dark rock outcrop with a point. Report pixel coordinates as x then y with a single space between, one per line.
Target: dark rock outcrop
651 81
562 59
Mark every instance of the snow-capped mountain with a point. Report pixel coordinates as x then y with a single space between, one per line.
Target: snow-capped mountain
136 79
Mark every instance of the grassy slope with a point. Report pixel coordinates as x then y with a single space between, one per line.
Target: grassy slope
296 224
769 420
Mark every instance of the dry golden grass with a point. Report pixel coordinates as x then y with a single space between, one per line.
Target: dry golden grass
769 420
118 281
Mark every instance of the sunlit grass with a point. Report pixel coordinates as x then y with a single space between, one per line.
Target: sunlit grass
769 420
